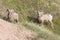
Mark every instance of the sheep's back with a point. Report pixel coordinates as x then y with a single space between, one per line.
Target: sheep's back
46 17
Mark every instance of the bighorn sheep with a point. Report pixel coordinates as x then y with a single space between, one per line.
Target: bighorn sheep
12 16
45 17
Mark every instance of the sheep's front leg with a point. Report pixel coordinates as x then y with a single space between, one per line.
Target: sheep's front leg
42 22
51 23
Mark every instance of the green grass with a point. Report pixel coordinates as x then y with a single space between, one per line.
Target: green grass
35 29
41 34
56 23
57 26
24 7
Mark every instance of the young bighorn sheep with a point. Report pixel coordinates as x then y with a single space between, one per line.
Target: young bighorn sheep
45 17
12 16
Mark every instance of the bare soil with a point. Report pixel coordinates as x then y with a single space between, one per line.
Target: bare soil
10 31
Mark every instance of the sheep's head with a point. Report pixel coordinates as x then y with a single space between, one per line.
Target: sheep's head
40 13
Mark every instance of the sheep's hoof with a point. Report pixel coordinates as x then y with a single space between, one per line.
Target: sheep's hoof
42 25
52 27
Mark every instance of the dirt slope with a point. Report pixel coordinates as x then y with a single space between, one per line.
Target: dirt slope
9 31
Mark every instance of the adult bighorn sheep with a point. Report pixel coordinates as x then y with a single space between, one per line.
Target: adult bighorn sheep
45 17
12 16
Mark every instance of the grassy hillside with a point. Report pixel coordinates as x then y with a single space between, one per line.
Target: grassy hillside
27 12
23 7
27 7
